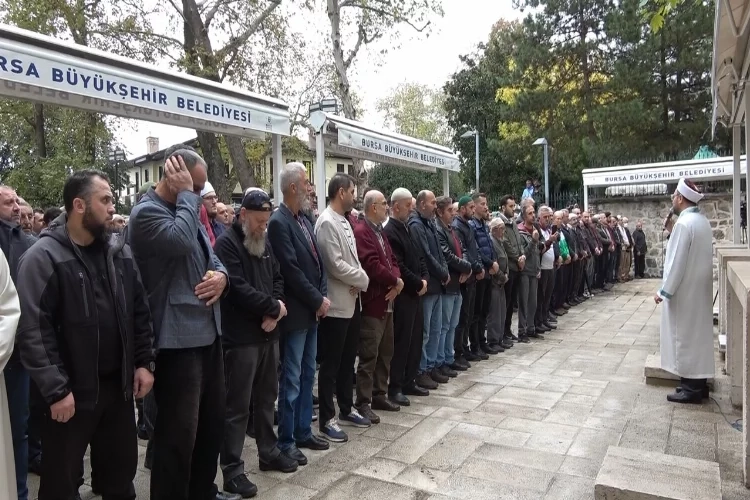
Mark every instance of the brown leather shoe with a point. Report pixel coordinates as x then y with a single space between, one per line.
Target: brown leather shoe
382 403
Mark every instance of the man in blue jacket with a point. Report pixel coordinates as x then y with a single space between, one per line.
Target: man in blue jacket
293 243
484 286
422 226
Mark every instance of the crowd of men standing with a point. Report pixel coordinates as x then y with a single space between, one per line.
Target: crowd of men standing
228 317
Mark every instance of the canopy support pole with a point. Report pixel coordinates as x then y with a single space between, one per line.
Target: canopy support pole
446 182
586 197
277 166
320 171
736 183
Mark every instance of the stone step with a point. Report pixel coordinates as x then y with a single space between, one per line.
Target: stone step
629 474
655 375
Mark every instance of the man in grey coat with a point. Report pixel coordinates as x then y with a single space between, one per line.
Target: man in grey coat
184 281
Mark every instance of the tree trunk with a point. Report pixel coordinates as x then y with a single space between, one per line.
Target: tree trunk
200 57
39 132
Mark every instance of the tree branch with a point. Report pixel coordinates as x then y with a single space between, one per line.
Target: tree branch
362 38
211 12
385 13
236 42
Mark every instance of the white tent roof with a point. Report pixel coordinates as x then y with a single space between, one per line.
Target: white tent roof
730 62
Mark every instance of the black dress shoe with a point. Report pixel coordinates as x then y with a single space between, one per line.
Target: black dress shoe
683 397
497 348
414 390
314 443
550 326
541 328
296 455
438 377
470 356
446 370
241 486
704 393
35 466
481 354
458 367
424 381
223 495
281 463
523 339
382 403
537 336
512 337
398 398
506 343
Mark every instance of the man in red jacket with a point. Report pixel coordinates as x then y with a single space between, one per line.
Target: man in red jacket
376 333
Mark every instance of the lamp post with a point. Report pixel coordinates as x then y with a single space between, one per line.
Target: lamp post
475 134
116 156
543 142
318 112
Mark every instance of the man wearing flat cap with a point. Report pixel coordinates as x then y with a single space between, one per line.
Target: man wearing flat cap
250 313
686 341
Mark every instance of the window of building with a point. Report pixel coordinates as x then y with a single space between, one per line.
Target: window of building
351 170
288 161
137 182
145 175
161 172
270 176
308 168
339 167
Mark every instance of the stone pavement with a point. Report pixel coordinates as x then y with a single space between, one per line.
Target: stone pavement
531 423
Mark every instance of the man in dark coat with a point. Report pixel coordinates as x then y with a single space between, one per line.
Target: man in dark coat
641 248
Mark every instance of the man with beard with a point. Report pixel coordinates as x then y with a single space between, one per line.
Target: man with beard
185 281
484 286
27 217
464 232
85 337
14 242
211 204
546 283
516 260
608 247
337 349
407 308
595 247
376 337
37 224
250 313
293 241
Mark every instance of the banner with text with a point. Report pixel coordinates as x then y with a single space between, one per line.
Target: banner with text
41 75
378 147
666 175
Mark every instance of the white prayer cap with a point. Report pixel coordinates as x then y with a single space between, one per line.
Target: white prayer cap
688 192
251 189
207 189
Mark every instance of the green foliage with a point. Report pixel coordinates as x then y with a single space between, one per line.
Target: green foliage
386 178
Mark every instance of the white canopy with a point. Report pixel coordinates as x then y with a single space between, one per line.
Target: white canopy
44 69
731 65
358 140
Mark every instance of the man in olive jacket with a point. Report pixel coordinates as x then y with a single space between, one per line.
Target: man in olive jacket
516 260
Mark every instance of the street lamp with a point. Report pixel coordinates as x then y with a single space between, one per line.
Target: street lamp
543 142
475 134
116 156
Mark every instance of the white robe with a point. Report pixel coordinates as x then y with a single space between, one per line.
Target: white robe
10 313
687 333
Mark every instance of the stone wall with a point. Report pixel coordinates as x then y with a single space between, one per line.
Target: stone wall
652 210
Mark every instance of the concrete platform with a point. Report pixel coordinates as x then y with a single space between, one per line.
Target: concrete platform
630 474
655 375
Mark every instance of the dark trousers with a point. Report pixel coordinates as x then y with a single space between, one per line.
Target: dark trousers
544 294
249 371
511 296
601 269
612 265
640 265
338 339
17 386
576 274
407 342
375 354
561 285
477 335
461 339
191 400
693 386
110 430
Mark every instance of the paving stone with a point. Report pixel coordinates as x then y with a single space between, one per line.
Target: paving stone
480 391
422 478
513 410
284 491
385 431
636 474
593 443
368 488
315 476
418 440
549 443
535 459
468 488
566 487
539 428
450 452
645 437
492 435
578 466
526 397
380 468
506 474
471 417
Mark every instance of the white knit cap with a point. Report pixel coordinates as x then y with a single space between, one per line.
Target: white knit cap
688 192
207 189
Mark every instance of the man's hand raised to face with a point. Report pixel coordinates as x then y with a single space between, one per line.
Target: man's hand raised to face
177 175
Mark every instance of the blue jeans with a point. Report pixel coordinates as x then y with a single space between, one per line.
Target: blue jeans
432 328
451 305
296 385
17 386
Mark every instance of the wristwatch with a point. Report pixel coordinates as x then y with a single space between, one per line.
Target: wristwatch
150 366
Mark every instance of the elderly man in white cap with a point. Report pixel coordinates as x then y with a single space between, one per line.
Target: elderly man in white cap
686 292
210 202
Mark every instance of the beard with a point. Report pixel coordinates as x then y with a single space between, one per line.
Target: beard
99 230
304 201
255 244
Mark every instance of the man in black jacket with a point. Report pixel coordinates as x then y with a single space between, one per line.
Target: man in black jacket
85 337
465 234
407 307
250 313
422 226
460 270
14 242
639 242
